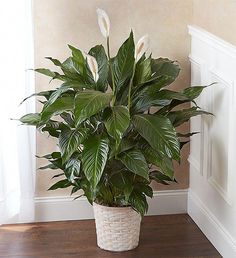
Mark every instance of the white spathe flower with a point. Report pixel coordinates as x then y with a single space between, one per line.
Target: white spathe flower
103 22
141 47
93 66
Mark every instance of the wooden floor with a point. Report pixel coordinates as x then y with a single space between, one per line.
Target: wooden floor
161 236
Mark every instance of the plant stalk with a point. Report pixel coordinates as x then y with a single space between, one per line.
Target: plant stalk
112 74
130 85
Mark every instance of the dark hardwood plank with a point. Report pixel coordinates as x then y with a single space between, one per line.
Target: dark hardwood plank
175 236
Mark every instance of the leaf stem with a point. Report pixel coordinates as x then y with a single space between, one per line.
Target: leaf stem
112 73
130 85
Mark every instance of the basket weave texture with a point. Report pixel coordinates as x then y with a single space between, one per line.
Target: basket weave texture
117 228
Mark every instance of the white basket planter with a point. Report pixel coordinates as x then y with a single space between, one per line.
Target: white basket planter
117 228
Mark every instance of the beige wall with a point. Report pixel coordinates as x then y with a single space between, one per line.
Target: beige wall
62 22
216 16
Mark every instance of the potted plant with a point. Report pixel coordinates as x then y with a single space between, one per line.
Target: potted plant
111 145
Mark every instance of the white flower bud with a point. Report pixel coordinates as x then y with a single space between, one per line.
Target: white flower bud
103 22
141 47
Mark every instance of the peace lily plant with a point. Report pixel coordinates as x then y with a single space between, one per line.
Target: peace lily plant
111 145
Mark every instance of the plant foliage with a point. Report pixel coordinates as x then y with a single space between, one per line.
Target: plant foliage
111 145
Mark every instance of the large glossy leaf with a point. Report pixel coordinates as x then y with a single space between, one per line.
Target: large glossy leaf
181 116
53 128
193 92
88 103
59 106
160 177
68 119
123 62
117 121
164 163
152 97
45 94
94 158
100 55
124 182
60 184
160 134
143 71
69 141
72 168
144 188
49 73
164 66
78 58
138 202
135 162
71 69
57 93
31 119
45 71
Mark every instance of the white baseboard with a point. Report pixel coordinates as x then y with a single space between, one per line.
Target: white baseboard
64 208
211 227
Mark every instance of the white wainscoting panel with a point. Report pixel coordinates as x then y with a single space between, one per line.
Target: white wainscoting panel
212 194
64 208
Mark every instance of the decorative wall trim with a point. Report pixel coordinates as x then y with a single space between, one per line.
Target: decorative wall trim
211 226
64 208
212 40
212 197
224 192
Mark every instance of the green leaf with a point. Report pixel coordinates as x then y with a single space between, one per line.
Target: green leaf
123 62
159 133
72 168
186 135
138 202
164 66
181 116
69 141
45 71
31 119
145 189
183 143
68 119
152 97
163 162
60 184
125 145
94 158
160 177
135 162
48 166
45 94
143 71
193 92
54 61
103 66
117 121
57 93
59 106
58 175
124 182
71 69
78 58
53 128
53 155
89 103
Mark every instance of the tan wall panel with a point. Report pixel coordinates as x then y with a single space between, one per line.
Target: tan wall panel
217 17
62 22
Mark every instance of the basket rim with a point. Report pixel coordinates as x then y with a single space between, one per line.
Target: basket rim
113 208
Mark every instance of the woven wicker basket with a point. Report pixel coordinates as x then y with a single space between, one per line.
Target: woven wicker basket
117 227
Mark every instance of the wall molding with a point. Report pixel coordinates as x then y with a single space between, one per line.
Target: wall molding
212 40
211 226
64 208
